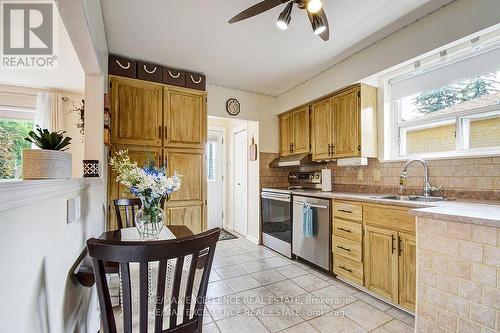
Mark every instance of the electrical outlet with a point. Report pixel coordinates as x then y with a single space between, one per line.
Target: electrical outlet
360 174
73 209
376 175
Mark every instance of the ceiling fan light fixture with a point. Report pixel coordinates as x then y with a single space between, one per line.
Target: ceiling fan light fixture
314 6
285 17
318 25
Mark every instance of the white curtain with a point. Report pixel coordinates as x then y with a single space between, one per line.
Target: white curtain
49 112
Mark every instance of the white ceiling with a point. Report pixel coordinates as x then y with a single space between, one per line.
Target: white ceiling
67 76
253 54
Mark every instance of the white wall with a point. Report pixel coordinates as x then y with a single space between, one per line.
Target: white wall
255 107
446 25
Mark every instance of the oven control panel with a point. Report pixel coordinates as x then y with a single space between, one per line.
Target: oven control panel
298 178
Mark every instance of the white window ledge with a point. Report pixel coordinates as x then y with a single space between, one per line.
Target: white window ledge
17 193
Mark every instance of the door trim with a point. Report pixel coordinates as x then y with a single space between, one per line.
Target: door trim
224 171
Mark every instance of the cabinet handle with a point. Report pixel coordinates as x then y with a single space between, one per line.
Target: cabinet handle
400 246
165 132
333 150
159 131
174 76
343 248
159 161
290 147
392 243
123 67
293 149
344 211
346 269
346 230
329 149
148 71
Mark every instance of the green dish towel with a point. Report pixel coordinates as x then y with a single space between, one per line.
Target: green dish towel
307 221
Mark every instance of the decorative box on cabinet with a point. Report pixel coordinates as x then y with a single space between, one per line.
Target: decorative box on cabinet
149 72
174 77
122 66
195 81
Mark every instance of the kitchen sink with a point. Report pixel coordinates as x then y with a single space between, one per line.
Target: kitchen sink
412 198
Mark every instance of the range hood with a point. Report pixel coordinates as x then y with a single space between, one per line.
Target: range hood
291 161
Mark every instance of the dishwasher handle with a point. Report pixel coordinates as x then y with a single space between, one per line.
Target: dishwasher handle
312 205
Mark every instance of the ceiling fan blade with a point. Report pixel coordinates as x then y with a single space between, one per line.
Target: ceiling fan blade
325 35
257 9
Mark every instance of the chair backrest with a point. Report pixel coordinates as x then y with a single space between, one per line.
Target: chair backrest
127 206
200 246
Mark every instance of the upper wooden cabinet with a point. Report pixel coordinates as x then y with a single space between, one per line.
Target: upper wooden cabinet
136 112
184 118
294 132
346 115
322 129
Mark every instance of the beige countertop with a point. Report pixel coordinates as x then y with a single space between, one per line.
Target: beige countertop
464 211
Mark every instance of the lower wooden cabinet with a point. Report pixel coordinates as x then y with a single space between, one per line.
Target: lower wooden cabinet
407 270
348 269
381 262
190 216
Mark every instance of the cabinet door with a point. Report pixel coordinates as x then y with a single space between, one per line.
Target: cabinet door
185 118
381 262
190 216
407 270
347 124
136 112
300 124
286 133
117 190
322 129
190 163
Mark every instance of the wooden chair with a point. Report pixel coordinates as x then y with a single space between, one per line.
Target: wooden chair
143 253
129 206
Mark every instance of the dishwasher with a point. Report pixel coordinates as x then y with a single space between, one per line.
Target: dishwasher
316 249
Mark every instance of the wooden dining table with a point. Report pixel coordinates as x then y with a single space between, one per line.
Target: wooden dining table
82 268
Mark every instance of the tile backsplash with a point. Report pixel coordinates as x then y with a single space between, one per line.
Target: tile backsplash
466 178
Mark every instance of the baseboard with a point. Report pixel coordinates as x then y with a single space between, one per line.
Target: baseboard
254 240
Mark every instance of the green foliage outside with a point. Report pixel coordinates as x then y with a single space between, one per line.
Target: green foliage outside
463 91
12 143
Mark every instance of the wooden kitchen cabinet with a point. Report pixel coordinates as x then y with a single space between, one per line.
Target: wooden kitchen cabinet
294 132
189 215
140 155
136 112
347 133
407 270
381 262
322 131
184 118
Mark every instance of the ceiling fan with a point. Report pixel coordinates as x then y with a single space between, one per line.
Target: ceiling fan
313 8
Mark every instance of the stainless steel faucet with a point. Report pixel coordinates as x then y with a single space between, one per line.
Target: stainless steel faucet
427 188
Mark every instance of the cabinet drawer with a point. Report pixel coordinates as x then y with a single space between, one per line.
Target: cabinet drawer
347 210
149 72
348 269
347 248
122 66
195 81
390 217
348 229
174 77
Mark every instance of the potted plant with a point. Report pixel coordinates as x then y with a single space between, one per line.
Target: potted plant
152 185
51 160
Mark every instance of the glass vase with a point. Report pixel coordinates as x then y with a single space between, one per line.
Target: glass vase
149 219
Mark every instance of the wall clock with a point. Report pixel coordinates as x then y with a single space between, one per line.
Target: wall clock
233 106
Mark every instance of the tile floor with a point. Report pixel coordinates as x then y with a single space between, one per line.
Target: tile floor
253 289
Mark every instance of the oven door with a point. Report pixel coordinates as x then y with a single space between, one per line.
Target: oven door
276 216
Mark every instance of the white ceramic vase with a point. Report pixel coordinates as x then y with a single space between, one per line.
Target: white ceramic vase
46 164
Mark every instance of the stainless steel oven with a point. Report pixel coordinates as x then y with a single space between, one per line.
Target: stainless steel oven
277 220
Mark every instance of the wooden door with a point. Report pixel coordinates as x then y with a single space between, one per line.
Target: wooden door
322 129
140 155
190 216
286 133
347 124
185 118
407 270
300 127
136 112
381 262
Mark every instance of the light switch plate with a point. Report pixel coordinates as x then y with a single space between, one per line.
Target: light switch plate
73 209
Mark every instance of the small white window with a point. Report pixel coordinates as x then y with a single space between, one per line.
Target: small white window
211 161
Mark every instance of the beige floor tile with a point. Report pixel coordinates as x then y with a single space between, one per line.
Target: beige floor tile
268 277
336 322
344 286
394 326
366 315
277 317
276 261
263 252
308 306
210 328
254 266
334 296
228 272
258 297
310 282
291 271
304 327
218 289
321 274
242 258
241 325
285 289
399 314
213 276
382 306
227 306
244 282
